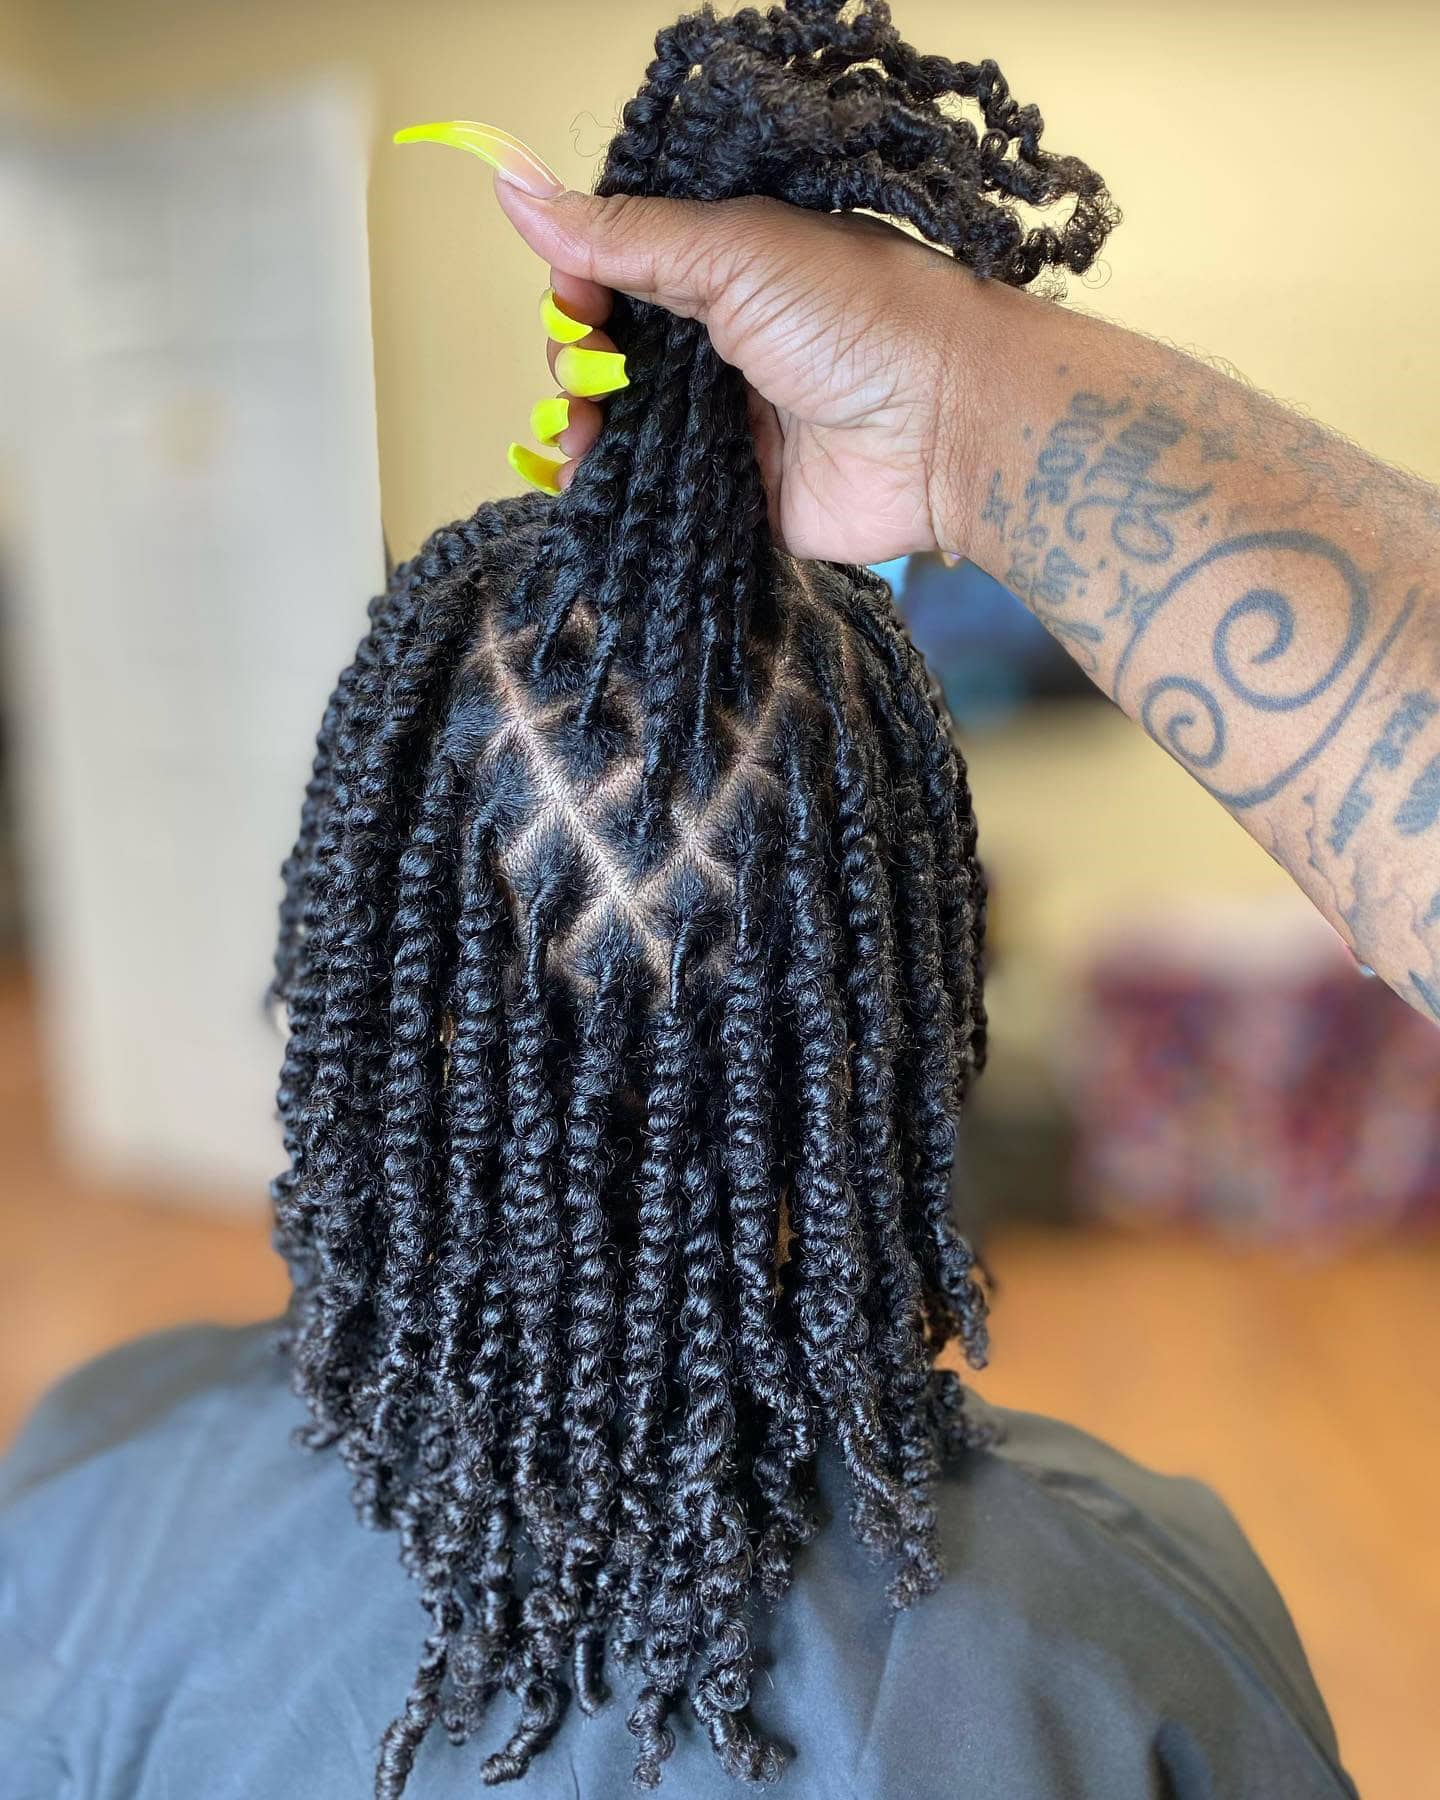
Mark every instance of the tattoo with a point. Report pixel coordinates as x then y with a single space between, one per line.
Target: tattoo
1248 659
1119 483
1421 806
1387 752
1067 446
1059 578
1274 638
1130 598
1097 458
1427 993
1081 466
1218 446
1046 577
997 508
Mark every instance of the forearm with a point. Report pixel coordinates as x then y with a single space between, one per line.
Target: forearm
1259 594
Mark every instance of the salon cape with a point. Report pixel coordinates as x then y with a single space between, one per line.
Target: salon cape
189 1611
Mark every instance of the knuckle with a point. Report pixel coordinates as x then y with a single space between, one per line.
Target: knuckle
744 255
616 216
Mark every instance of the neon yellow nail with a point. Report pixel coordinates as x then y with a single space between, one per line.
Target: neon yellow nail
591 372
559 325
514 161
540 471
548 418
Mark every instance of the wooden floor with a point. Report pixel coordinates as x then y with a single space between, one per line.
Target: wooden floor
1307 1393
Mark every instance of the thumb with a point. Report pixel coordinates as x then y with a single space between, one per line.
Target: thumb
679 254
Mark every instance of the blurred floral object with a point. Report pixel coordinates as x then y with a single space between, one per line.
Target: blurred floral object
1234 1066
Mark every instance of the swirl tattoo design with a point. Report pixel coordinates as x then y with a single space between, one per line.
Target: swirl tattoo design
1255 663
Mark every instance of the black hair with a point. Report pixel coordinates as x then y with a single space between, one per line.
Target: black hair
631 949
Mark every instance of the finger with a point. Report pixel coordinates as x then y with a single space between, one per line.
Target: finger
582 299
586 419
682 254
597 340
769 438
583 427
566 424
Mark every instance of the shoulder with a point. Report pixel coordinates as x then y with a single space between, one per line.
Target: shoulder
1103 1633
164 1551
171 1383
1134 1600
132 1469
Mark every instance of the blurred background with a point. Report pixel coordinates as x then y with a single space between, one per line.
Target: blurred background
245 346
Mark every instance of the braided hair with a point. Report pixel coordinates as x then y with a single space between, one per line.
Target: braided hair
631 952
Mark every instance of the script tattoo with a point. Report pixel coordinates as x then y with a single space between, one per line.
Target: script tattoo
1420 808
1044 575
1043 572
1119 485
1401 729
997 508
1093 501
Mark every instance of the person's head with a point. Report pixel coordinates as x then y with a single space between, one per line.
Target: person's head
631 947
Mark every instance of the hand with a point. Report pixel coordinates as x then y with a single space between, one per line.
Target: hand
844 328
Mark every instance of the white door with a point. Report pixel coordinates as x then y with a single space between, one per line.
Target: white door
193 511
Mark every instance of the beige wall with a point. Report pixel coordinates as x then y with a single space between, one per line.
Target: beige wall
1274 162
18 26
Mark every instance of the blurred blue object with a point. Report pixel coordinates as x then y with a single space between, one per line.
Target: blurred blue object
988 653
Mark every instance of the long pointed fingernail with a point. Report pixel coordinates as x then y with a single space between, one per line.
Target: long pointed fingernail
548 418
591 372
540 471
559 325
507 156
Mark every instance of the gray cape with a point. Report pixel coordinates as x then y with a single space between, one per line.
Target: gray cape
189 1611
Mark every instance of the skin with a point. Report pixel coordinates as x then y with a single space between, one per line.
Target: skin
1261 595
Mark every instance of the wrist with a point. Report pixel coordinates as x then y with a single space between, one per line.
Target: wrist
988 350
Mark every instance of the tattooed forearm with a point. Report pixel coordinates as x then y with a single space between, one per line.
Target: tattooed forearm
1410 717
1261 596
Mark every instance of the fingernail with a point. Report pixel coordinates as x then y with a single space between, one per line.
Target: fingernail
559 325
548 418
540 471
952 559
507 156
591 372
